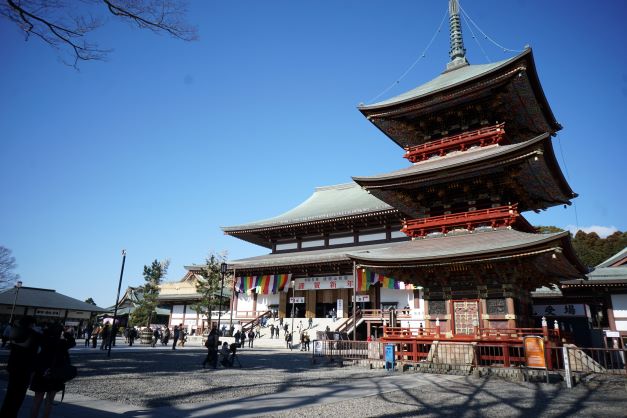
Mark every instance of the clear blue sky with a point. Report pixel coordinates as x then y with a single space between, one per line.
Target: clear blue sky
155 149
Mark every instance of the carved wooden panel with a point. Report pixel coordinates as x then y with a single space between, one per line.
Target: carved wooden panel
466 316
496 306
437 307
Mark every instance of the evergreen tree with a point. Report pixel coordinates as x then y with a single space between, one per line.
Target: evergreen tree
144 311
208 286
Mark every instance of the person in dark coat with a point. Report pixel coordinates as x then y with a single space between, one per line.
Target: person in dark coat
55 346
105 335
251 338
24 343
175 336
212 349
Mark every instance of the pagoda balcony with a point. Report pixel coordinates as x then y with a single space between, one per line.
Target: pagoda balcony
493 217
482 137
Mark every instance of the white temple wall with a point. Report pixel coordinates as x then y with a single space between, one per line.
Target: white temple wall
244 302
263 301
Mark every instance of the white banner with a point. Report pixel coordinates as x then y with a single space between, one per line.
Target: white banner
325 282
297 299
339 312
362 298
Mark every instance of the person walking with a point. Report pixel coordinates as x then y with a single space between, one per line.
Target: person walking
237 336
54 355
212 352
271 331
288 341
155 337
251 338
23 343
175 336
132 334
105 335
242 338
310 322
286 329
165 339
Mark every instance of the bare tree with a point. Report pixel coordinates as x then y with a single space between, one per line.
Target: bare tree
63 26
7 265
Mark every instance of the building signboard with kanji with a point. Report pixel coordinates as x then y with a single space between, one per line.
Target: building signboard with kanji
324 282
560 310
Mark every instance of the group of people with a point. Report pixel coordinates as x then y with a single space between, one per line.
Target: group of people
39 360
222 351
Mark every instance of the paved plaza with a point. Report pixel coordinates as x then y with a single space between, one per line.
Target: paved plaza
159 382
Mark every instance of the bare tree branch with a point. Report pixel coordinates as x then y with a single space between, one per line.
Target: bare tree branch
7 265
53 22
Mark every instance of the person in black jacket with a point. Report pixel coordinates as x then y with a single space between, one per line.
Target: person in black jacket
24 343
54 354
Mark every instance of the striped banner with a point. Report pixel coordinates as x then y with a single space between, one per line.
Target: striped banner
266 284
363 280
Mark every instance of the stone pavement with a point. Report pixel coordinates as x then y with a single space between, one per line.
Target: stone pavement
143 382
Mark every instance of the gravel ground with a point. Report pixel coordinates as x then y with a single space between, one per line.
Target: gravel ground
154 379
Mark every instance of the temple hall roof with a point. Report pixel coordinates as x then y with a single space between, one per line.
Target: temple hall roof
327 204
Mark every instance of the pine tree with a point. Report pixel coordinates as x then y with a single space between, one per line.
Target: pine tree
144 311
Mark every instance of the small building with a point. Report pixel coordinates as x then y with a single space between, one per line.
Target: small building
178 299
46 305
128 303
604 295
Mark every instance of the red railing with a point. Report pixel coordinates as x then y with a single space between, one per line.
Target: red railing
496 335
482 137
494 217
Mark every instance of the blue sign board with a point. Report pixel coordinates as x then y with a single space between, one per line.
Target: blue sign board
389 357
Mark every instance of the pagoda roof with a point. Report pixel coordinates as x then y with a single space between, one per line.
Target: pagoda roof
326 204
542 176
444 81
523 104
479 246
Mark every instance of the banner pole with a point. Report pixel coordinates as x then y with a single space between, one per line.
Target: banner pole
354 301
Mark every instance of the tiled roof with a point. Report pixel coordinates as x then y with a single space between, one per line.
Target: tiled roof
45 298
479 243
325 203
450 248
454 159
445 81
615 258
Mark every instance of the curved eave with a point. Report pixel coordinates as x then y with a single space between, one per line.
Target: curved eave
468 249
390 108
469 163
257 235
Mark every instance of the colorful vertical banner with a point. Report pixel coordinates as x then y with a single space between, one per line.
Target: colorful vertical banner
266 284
363 280
386 281
282 282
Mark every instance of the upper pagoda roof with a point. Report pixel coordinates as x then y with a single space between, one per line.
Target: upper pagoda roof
506 91
444 81
326 204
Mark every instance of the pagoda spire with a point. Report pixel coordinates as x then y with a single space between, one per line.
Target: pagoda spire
457 52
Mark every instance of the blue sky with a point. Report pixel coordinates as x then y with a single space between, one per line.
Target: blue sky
156 148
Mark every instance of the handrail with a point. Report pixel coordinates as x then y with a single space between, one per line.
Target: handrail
483 136
349 321
499 216
480 333
257 319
